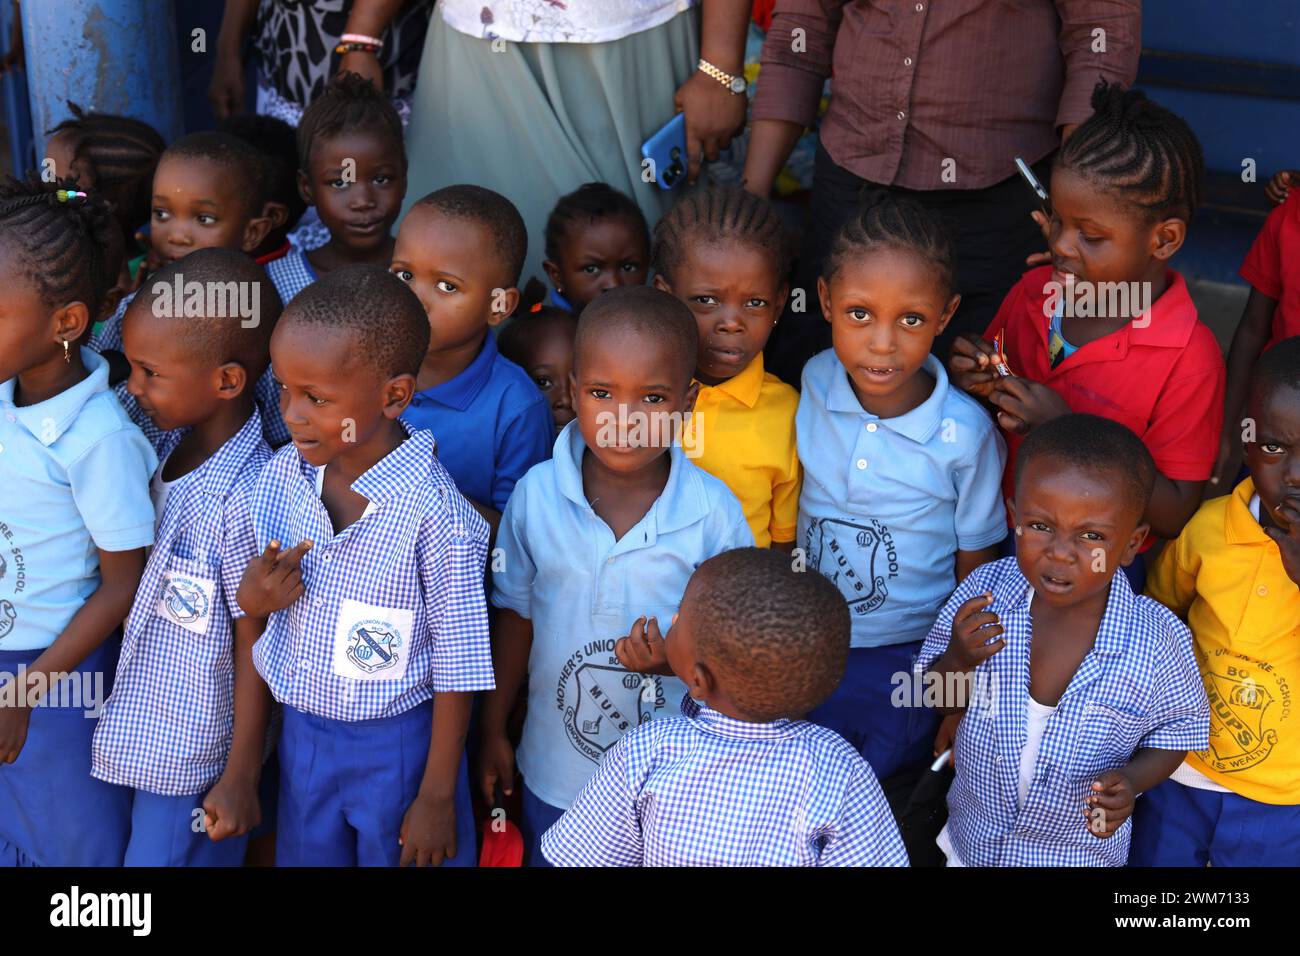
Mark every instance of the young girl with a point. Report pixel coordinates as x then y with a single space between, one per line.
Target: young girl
352 169
596 240
1108 328
724 252
75 519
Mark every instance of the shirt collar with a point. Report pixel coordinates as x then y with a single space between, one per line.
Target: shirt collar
218 473
48 420
458 392
679 505
1120 607
744 387
710 721
407 465
919 424
1240 524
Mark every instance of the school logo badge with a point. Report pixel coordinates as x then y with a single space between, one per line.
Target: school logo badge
1247 703
186 601
374 645
600 700
860 559
8 617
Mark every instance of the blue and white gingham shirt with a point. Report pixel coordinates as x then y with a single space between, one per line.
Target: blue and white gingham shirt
167 726
290 274
1137 688
109 335
705 789
394 609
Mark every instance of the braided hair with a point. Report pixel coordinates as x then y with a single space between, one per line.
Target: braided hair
64 245
1142 150
886 220
123 153
350 103
719 215
588 203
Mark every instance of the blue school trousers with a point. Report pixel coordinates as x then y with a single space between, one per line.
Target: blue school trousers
1177 825
538 817
346 785
862 710
52 811
163 834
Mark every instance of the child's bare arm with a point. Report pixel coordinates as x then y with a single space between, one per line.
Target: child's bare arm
231 806
428 833
1172 504
1247 343
968 561
512 640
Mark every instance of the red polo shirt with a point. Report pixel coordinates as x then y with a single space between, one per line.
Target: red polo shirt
1273 266
1163 380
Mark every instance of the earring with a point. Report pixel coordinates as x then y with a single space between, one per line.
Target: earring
67 352
1019 531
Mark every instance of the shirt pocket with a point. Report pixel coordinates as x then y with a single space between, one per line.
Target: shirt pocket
372 642
188 592
1106 739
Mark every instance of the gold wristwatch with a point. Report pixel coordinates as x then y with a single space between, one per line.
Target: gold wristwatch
734 84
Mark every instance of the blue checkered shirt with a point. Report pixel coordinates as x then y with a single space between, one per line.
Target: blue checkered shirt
167 726
394 609
705 789
1137 688
290 274
109 335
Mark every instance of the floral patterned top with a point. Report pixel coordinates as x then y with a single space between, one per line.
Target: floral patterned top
558 21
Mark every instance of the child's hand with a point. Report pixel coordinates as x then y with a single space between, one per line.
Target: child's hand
428 834
972 627
644 650
1280 185
272 581
231 808
971 365
13 729
947 736
496 763
1288 541
1024 404
1109 804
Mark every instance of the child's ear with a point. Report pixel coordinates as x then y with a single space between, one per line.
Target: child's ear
692 394
231 379
1134 544
553 273
824 297
504 303
70 321
948 312
1168 237
277 212
701 684
255 232
781 297
304 188
398 392
661 283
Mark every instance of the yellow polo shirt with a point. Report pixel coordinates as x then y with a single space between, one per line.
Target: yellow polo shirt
742 432
1224 576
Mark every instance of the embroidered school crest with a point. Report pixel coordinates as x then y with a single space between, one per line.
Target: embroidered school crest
859 559
183 600
374 645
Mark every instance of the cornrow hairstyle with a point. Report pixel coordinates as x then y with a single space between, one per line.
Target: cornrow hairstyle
719 215
277 142
350 103
492 210
589 203
1140 149
64 245
884 220
123 152
241 160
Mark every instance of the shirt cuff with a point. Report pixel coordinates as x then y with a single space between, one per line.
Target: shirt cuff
123 539
787 93
1265 285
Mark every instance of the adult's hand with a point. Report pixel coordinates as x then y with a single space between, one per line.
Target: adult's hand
713 116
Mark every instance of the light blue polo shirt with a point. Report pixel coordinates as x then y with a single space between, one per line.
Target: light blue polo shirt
491 423
558 565
887 502
75 477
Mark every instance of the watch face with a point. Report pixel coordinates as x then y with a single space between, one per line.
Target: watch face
737 84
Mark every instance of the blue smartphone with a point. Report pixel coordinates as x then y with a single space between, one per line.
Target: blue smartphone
666 150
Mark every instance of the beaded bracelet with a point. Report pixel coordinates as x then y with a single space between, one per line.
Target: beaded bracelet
361 38
357 48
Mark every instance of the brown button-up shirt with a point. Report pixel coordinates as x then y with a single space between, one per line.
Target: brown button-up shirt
943 94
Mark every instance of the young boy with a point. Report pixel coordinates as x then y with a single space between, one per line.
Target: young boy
1078 694
460 249
277 143
371 579
740 779
541 343
900 490
596 240
1234 576
186 724
595 543
352 169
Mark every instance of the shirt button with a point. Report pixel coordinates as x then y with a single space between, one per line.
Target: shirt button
306 664
901 114
871 426
862 464
907 61
920 7
1262 590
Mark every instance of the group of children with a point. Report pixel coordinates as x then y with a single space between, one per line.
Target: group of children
362 545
